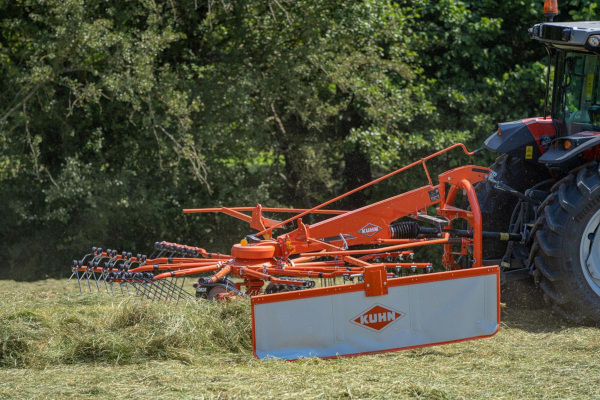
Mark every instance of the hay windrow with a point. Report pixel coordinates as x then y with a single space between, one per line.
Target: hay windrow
55 343
117 330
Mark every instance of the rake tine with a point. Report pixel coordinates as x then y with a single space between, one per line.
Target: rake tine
177 291
152 294
121 285
137 285
95 280
142 289
181 289
87 277
111 286
160 286
171 289
166 287
78 279
181 292
104 276
159 294
156 295
128 283
127 287
151 290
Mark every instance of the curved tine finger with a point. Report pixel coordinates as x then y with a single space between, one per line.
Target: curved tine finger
150 290
121 287
153 289
179 290
176 289
142 289
167 288
95 280
78 278
104 278
162 293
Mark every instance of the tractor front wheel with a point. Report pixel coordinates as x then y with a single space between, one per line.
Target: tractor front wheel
566 249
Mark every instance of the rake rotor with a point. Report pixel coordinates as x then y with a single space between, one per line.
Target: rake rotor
320 255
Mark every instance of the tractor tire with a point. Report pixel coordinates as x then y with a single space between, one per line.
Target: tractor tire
566 248
496 205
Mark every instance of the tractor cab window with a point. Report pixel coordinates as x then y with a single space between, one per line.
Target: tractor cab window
577 92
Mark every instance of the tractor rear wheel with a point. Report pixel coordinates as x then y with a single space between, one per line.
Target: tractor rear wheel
497 205
566 249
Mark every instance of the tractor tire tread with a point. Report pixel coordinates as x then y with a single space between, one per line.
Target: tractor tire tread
562 288
546 272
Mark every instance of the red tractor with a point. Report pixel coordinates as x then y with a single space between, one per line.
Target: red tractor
547 180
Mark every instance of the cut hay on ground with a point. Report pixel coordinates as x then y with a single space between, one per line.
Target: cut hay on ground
56 343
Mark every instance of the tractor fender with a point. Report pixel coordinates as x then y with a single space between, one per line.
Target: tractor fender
582 143
527 139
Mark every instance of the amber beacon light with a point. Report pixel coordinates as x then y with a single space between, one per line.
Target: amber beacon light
550 8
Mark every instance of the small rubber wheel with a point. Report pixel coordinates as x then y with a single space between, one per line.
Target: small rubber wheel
214 292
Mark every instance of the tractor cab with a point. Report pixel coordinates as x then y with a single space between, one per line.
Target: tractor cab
569 132
575 47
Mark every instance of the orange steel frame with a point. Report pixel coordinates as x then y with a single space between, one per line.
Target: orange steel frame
321 250
274 256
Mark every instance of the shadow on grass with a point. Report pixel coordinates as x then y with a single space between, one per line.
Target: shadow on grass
535 320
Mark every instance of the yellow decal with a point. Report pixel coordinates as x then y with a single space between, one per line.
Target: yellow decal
529 152
503 236
589 87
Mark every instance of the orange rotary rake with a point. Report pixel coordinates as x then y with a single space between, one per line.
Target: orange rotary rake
347 285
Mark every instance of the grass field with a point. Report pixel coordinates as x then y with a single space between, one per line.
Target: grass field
56 343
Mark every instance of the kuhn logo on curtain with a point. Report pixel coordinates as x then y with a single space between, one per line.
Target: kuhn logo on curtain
377 318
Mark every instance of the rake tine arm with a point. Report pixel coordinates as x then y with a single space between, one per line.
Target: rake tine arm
151 291
421 242
407 265
308 274
169 267
392 254
266 277
334 263
222 273
208 255
185 272
267 209
175 260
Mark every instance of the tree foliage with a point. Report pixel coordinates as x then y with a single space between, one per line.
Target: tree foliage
116 115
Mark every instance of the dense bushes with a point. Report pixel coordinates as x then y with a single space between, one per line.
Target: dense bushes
115 115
